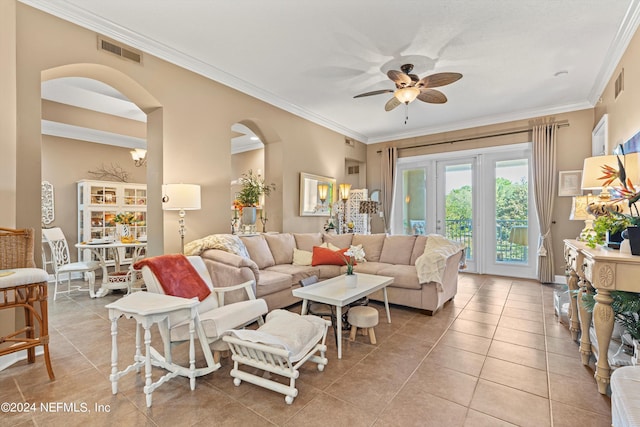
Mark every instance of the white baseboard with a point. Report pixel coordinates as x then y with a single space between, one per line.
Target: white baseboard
9 359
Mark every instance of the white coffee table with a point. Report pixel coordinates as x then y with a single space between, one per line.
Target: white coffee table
335 292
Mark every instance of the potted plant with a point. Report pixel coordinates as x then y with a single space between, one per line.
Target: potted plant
604 227
253 187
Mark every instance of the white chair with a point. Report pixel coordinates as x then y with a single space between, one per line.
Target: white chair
214 318
61 262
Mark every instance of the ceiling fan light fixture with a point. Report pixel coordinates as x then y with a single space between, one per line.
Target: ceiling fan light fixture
407 94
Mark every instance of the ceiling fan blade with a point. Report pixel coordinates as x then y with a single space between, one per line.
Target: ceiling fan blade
375 92
391 104
400 79
439 79
432 96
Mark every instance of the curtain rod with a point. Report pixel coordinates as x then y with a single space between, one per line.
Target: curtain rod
471 138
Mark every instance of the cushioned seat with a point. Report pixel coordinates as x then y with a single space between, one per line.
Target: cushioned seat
297 272
272 281
363 317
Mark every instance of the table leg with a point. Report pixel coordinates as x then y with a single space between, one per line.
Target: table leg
104 290
304 307
147 363
386 304
339 330
585 324
603 322
574 326
114 351
192 351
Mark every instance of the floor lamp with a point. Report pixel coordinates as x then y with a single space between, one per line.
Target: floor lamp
181 197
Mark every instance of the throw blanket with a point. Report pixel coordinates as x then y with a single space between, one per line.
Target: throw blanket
284 329
226 242
430 265
176 276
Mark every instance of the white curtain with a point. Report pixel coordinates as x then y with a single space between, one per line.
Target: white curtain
544 191
388 169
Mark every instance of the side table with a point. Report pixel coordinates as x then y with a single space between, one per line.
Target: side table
148 308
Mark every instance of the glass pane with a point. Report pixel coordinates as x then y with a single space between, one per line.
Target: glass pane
459 204
414 194
512 210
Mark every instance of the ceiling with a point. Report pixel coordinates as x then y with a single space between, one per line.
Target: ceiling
520 59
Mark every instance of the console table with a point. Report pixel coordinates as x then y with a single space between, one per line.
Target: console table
606 270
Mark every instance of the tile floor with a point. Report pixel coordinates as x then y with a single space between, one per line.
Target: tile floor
495 356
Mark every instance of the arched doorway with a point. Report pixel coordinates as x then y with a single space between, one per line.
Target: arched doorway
151 107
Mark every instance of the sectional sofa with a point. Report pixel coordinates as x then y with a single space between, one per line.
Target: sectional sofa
277 262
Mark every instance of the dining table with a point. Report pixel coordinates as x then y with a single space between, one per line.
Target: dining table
97 248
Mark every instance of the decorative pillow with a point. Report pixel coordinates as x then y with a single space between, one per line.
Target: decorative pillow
176 276
225 242
259 251
306 241
325 256
281 245
301 257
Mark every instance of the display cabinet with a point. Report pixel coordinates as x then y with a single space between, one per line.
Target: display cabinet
99 205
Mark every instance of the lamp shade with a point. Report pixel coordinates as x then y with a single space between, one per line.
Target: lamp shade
323 190
592 169
177 197
368 207
345 189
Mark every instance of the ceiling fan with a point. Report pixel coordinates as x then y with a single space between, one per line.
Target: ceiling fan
410 86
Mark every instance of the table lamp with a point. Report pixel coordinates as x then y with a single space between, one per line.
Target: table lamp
579 212
181 197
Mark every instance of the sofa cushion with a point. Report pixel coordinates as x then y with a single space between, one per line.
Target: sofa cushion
324 256
328 271
259 251
340 240
301 257
369 267
371 243
397 249
306 241
272 281
297 272
282 246
418 248
404 276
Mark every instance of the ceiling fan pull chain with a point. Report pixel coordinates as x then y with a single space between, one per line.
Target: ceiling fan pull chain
406 113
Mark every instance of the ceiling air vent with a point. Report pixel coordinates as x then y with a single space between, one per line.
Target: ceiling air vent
119 50
619 86
349 142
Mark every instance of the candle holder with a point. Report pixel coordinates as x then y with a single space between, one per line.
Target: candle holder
263 220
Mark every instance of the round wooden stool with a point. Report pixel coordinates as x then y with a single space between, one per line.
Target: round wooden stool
365 318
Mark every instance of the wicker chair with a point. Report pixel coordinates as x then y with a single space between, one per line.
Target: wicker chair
22 285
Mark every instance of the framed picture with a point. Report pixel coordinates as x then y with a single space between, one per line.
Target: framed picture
600 137
569 183
317 194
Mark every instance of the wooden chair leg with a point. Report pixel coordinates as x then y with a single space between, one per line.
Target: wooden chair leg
372 336
352 335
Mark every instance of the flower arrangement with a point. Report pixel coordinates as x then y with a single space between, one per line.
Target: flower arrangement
125 218
624 191
355 253
253 186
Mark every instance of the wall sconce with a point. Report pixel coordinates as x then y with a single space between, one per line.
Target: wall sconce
323 191
181 197
139 156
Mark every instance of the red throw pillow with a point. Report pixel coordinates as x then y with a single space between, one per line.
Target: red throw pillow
176 275
325 256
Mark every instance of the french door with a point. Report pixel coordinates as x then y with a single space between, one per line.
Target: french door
481 198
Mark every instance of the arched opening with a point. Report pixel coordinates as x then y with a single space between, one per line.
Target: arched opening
79 127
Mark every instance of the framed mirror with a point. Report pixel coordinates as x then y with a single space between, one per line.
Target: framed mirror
375 196
317 193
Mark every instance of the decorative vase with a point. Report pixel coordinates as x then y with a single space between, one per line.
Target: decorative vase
614 239
249 215
351 280
633 234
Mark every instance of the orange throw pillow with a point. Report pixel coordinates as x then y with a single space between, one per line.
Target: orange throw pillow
325 256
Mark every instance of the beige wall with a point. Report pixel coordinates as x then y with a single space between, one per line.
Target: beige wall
574 144
65 162
624 112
